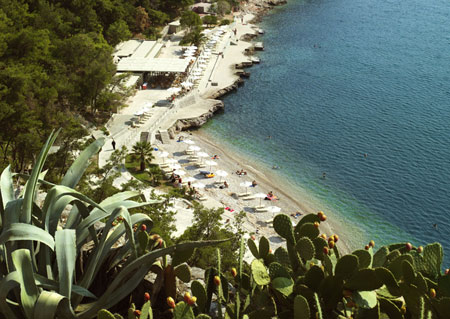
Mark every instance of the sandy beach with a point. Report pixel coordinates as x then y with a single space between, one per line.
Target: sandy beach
222 73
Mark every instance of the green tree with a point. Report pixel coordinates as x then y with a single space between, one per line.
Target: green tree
222 7
143 150
210 20
117 32
190 20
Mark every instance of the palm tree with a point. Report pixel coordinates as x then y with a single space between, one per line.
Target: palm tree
144 151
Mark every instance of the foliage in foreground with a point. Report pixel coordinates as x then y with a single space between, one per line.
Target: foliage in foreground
72 269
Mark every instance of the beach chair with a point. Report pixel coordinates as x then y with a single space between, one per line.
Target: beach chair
244 194
261 209
188 152
248 197
200 165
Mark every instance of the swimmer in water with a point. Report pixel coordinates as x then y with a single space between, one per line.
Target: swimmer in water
365 155
324 175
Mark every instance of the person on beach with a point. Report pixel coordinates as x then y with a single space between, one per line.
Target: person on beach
225 185
113 143
215 157
254 183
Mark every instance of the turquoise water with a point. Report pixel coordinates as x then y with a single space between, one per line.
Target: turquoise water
346 77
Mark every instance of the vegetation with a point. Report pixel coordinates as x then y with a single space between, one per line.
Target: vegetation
209 20
143 151
56 68
52 267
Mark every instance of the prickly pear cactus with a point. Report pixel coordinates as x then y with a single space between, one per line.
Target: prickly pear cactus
253 249
259 273
105 314
264 247
183 311
183 272
283 226
301 308
200 292
305 248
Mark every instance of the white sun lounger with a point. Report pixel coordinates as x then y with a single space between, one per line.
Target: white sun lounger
244 194
262 209
248 197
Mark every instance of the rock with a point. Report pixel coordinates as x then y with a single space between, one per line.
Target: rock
185 124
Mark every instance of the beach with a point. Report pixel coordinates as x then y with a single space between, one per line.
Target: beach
219 78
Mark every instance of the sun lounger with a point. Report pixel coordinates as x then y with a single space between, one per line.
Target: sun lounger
244 194
200 165
248 197
187 152
269 221
262 209
163 165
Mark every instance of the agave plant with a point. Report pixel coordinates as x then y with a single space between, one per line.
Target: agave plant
43 270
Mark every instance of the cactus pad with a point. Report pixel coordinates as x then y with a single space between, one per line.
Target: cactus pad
146 311
346 266
199 291
202 316
305 248
283 226
301 307
319 243
390 308
314 277
365 299
282 256
105 314
388 279
309 218
283 285
364 279
396 265
181 256
264 247
308 230
259 273
409 275
364 258
183 272
278 270
379 258
252 246
433 255
183 311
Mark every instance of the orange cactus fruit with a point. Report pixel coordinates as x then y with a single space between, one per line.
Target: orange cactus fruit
160 242
372 244
331 244
170 302
233 272
432 293
408 246
253 237
217 280
187 297
137 313
336 238
420 249
147 296
154 237
192 301
366 247
326 250
144 227
324 236
319 214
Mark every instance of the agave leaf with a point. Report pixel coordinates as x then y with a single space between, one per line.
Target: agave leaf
12 212
6 185
21 231
129 230
97 215
118 197
65 257
49 284
27 177
29 292
30 189
76 170
47 306
55 202
8 283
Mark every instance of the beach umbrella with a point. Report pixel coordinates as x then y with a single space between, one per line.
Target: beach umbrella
194 148
186 84
221 174
246 185
202 154
192 47
190 142
210 163
179 172
260 196
198 185
175 166
273 209
172 161
173 90
163 155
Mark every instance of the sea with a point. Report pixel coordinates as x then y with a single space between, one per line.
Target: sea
358 90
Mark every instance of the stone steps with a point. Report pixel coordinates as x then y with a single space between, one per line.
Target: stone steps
165 138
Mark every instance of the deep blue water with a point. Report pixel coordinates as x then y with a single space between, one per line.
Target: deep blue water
342 78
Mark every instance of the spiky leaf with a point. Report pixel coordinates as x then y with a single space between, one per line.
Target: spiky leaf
259 273
305 248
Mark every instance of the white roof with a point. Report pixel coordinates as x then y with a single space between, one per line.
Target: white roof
127 48
152 65
144 49
132 80
155 50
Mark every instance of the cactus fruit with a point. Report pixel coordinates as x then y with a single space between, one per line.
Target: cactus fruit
217 280
372 244
447 271
192 301
408 246
331 244
316 224
233 272
253 237
326 250
432 293
170 302
143 227
146 296
323 236
366 247
187 297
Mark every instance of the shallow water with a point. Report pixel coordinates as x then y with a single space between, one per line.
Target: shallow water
342 78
